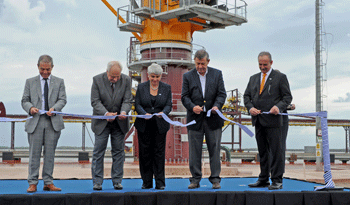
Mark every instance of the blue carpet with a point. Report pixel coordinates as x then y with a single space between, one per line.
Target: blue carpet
134 185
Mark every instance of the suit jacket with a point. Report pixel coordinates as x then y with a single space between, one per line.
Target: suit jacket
104 100
215 95
143 105
32 97
276 92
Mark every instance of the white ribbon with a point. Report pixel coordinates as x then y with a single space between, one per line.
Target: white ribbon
244 128
5 119
102 117
325 145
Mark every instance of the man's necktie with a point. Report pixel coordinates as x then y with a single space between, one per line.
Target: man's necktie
46 95
112 86
262 83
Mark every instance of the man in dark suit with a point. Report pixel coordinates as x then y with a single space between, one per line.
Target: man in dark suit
203 89
268 91
110 96
43 92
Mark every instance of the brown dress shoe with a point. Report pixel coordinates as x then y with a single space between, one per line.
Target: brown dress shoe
193 186
32 188
51 187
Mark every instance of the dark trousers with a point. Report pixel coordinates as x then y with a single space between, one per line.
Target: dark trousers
118 155
213 140
269 141
284 137
152 155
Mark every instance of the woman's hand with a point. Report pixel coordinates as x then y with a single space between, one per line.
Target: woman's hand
147 114
160 115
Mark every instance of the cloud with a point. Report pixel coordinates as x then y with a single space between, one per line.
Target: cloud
71 3
21 14
338 6
340 99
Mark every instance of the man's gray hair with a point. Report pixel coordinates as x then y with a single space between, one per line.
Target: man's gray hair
154 68
113 63
201 54
265 53
45 59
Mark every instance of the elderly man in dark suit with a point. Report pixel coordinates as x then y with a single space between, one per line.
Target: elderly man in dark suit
110 96
268 91
43 92
203 89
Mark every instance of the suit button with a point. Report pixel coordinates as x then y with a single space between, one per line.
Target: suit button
152 108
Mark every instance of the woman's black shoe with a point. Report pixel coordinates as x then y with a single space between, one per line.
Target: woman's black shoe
161 188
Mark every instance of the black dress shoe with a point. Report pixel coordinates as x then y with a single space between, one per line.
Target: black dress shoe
146 187
118 186
259 184
275 185
97 187
160 188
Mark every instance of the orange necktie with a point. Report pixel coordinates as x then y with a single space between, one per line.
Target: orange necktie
262 83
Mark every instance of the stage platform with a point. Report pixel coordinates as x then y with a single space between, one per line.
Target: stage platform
233 191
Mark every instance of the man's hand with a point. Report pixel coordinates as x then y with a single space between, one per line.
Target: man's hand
49 112
33 110
292 107
122 115
111 114
254 112
214 109
275 110
197 109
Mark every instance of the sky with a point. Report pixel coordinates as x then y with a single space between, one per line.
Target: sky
82 37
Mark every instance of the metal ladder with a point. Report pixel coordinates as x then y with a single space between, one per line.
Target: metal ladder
177 138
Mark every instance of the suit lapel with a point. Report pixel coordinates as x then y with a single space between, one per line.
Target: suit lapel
195 77
52 81
268 81
208 81
107 85
146 94
38 86
117 88
160 94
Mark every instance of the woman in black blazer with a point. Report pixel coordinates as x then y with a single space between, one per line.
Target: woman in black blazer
152 97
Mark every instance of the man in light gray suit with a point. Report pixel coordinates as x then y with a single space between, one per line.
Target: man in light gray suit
110 96
43 92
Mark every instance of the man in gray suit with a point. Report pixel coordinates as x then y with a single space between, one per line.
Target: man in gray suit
268 91
110 96
203 89
43 92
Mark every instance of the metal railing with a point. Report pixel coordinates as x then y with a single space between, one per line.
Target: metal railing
128 15
155 52
237 7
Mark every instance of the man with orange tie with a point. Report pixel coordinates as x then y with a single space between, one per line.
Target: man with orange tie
268 91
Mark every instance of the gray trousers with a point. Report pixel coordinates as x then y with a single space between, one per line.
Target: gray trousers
213 140
118 154
43 135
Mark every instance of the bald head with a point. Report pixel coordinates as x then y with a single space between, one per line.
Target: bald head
114 70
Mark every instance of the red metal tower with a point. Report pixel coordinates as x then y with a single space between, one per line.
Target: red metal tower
163 32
